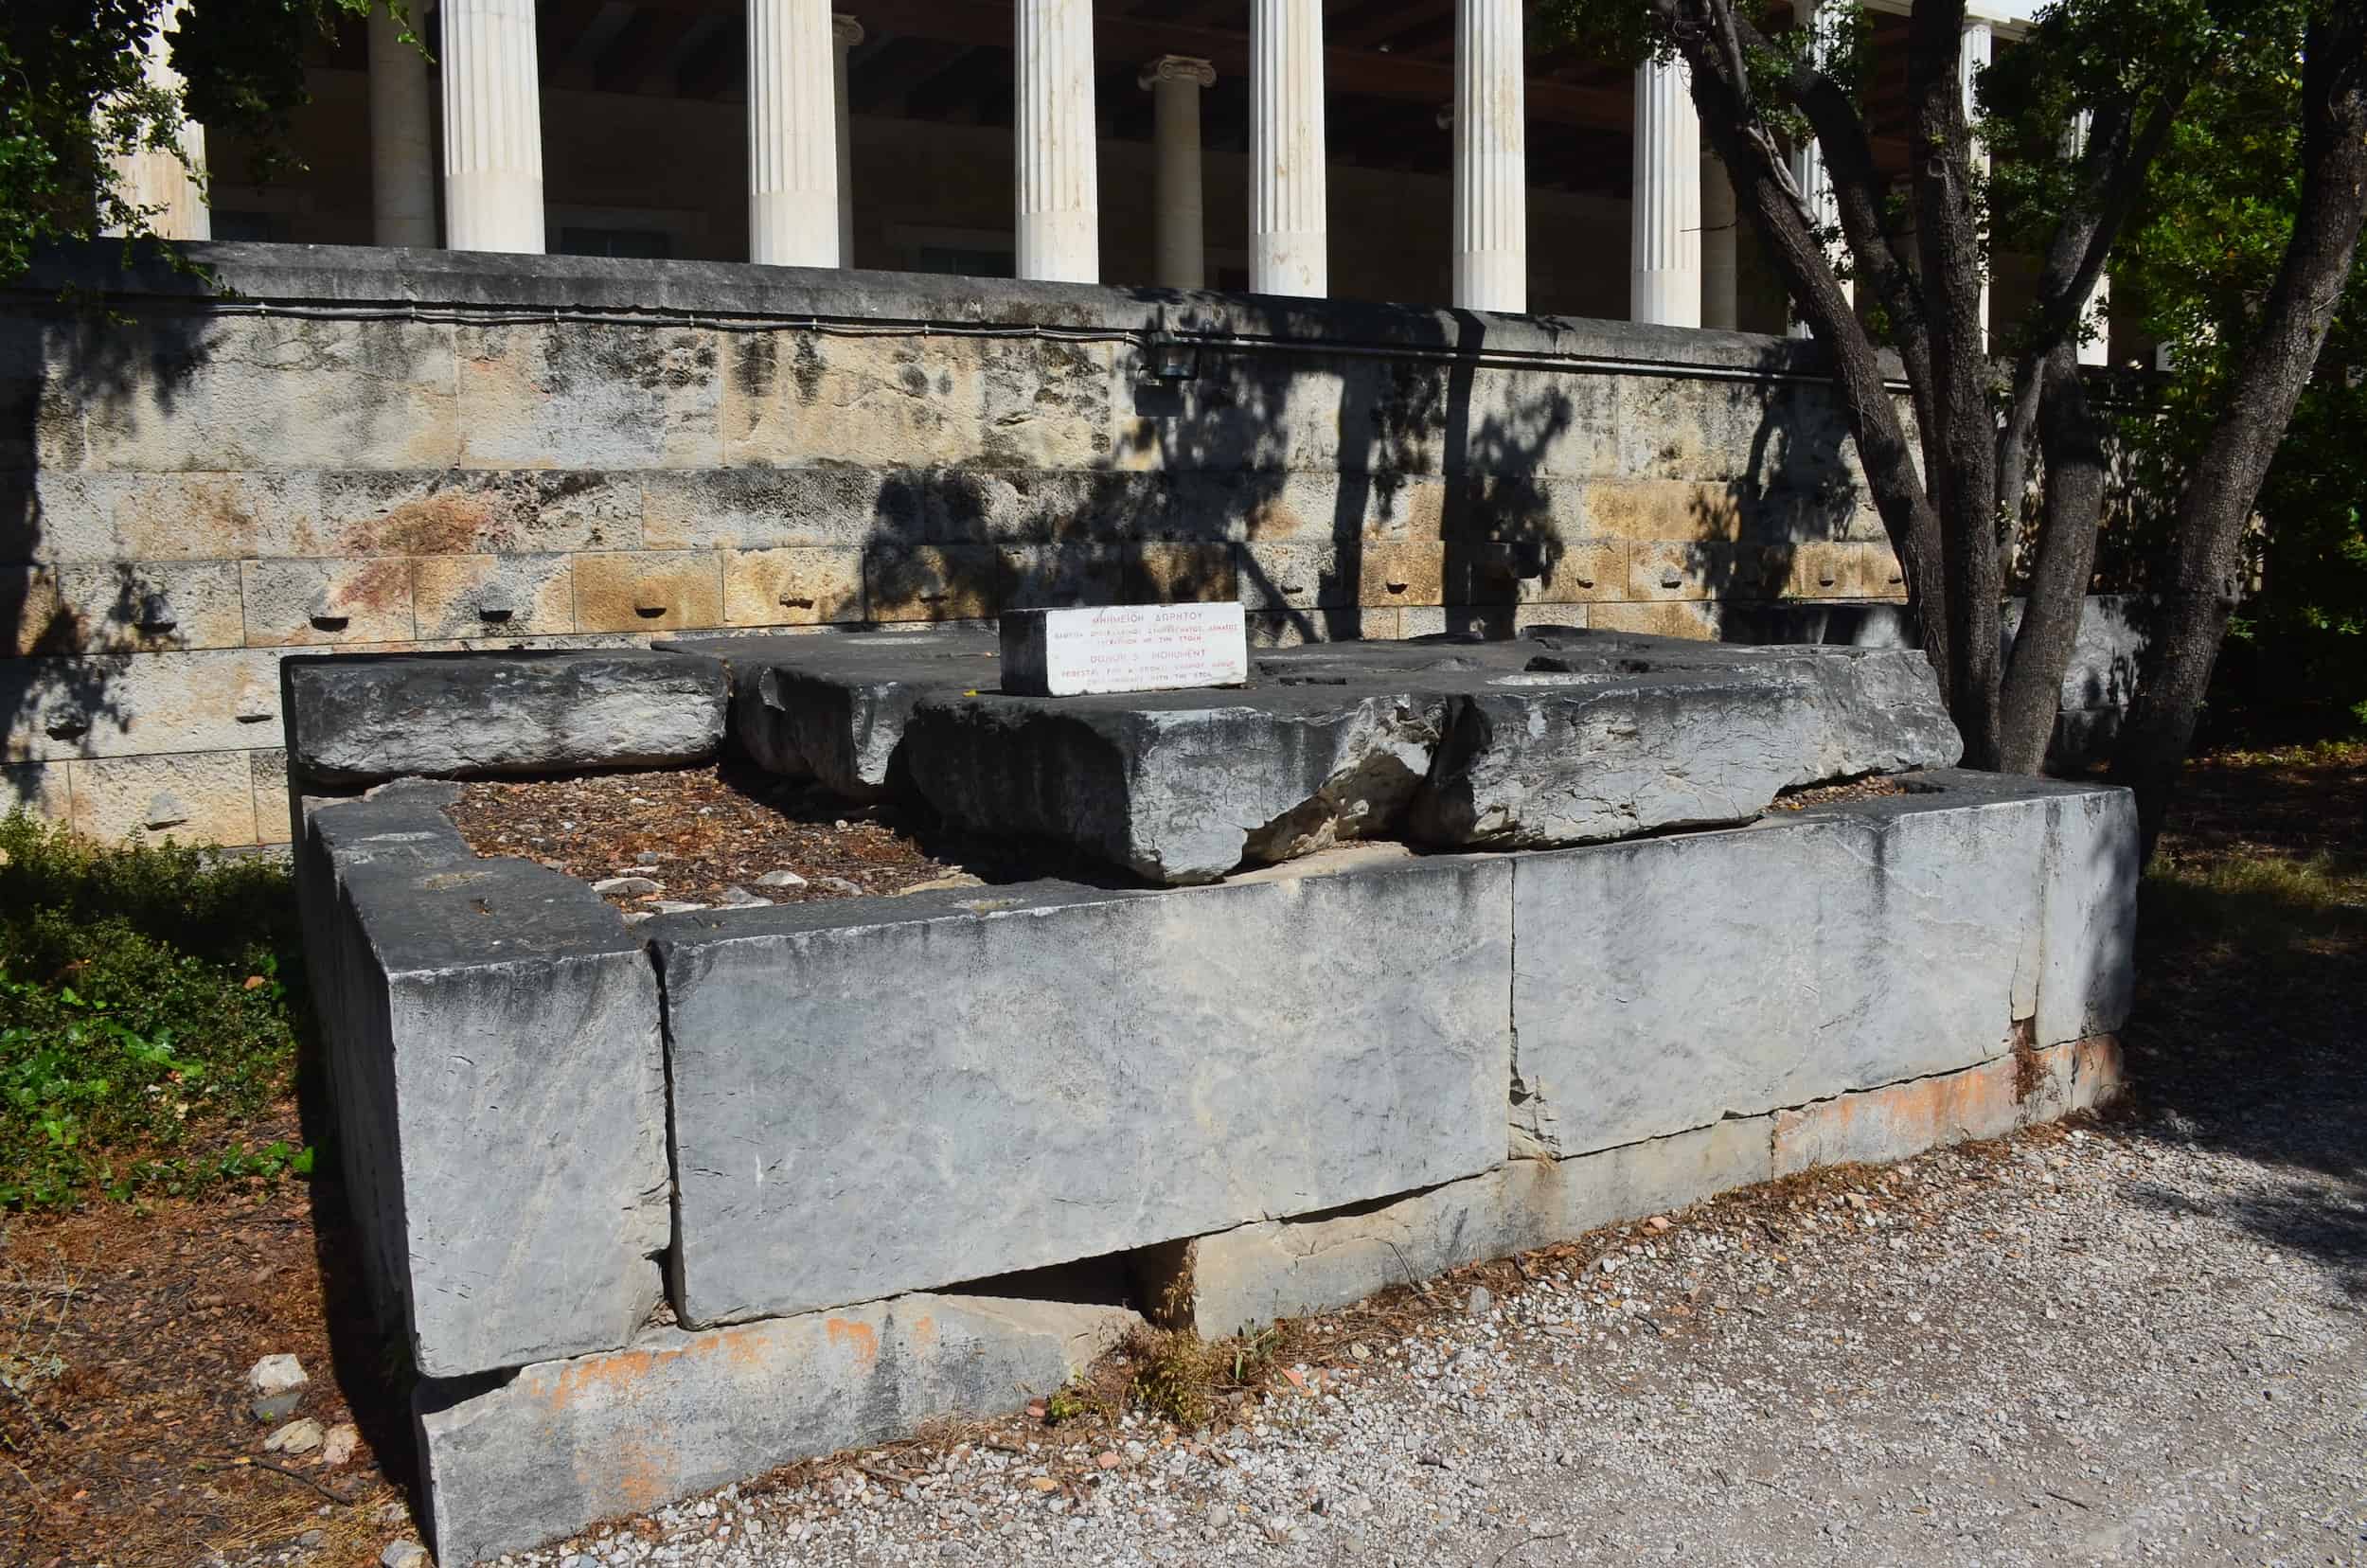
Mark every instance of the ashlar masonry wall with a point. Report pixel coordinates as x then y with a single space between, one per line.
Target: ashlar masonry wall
370 449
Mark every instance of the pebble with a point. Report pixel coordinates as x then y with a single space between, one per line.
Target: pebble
404 1553
840 884
740 897
1480 1302
630 885
670 906
299 1436
278 1383
338 1443
781 879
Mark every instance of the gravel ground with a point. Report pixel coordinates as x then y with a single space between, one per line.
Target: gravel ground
2136 1342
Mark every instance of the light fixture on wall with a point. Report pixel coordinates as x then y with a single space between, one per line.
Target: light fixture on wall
1167 357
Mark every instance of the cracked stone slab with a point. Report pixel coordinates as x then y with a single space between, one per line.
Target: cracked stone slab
872 1095
514 1462
834 707
364 719
1664 982
493 1053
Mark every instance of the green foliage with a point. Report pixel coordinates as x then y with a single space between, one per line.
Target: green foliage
146 1013
75 96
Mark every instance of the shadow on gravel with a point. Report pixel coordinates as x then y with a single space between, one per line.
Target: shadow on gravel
2249 1033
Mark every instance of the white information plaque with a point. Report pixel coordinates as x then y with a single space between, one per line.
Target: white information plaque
1123 648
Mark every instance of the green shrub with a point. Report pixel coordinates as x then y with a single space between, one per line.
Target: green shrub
148 1013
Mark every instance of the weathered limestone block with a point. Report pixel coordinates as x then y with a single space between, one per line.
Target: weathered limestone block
792 585
197 797
932 583
485 596
463 512
1664 983
835 707
494 1035
309 603
885 1094
155 606
588 394
40 787
648 590
128 704
1988 1101
1176 787
359 719
564 1444
1242 1278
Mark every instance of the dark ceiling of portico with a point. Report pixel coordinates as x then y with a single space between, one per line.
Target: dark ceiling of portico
1389 73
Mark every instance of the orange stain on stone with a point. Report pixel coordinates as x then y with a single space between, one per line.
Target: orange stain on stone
860 1340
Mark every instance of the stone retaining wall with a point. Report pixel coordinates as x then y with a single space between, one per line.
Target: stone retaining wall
389 450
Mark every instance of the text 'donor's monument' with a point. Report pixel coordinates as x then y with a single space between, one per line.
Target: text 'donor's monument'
1123 648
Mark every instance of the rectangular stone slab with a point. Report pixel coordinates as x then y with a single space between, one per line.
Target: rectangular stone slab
1068 653
564 1444
885 1094
367 718
495 1055
1665 982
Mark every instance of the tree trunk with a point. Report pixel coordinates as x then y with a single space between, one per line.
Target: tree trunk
2071 441
2225 482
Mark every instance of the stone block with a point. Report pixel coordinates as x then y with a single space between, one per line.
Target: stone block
1586 571
1318 506
867 1094
361 719
1692 619
1402 572
1045 577
1899 1120
272 392
124 705
883 401
932 582
268 772
792 585
569 394
1547 423
1908 940
766 507
1295 628
196 797
156 606
484 596
1044 402
466 511
1122 647
34 617
2090 895
1682 511
1180 573
561 1445
52 516
648 590
835 709
1254 1275
1028 506
318 603
1676 571
209 516
1300 575
1263 412
41 787
493 1031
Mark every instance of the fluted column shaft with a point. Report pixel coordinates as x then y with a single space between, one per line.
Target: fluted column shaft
402 139
1491 175
1972 57
793 134
1288 200
2098 308
493 126
1808 159
156 180
1720 280
1665 243
1060 204
1180 227
846 33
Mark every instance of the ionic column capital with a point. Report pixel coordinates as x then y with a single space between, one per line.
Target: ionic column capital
1200 72
845 31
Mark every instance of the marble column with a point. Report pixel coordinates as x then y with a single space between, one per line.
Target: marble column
792 134
1972 57
1807 160
1720 282
1491 214
402 139
1665 211
2097 309
493 126
167 187
846 33
1179 238
1288 238
1060 204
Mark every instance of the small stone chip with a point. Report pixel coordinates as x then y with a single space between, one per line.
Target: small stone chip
631 886
300 1437
781 879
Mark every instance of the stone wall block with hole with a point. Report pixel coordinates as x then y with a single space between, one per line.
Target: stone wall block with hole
128 704
155 606
363 720
932 583
944 1087
487 595
792 585
648 590
324 603
500 1089
561 1445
